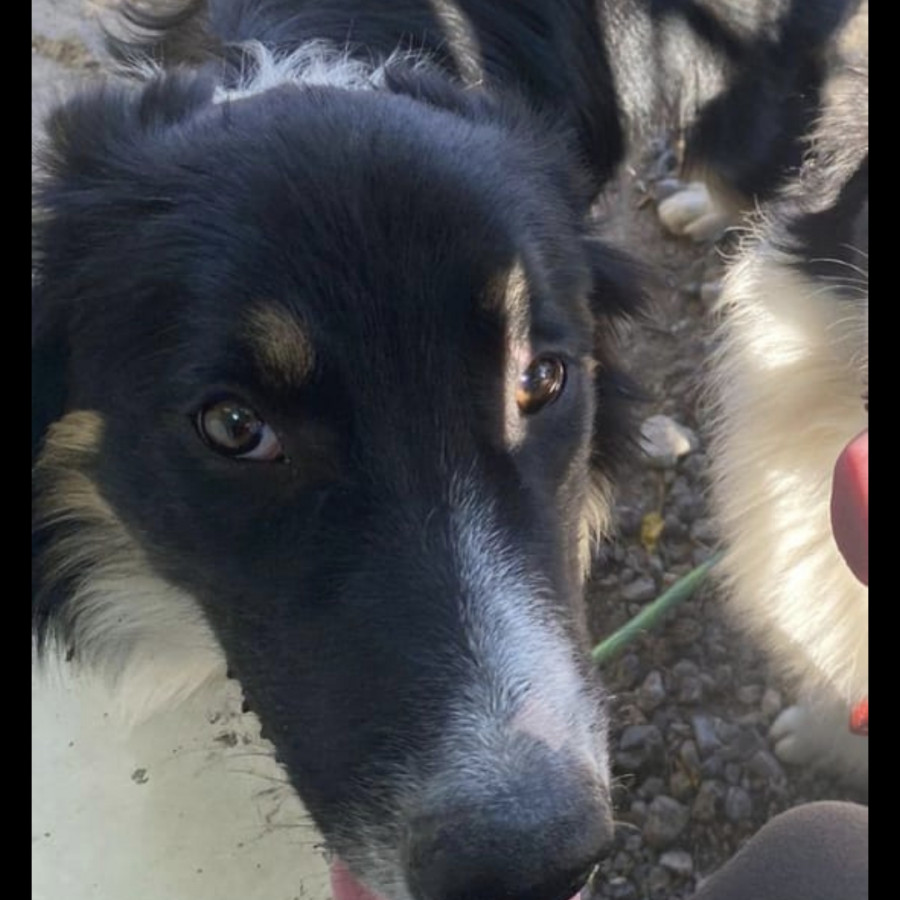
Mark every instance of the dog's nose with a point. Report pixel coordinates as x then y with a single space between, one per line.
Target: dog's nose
537 837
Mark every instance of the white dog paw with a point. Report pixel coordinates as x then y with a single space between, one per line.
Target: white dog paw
818 737
693 213
793 736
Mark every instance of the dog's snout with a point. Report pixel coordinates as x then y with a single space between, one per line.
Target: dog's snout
535 837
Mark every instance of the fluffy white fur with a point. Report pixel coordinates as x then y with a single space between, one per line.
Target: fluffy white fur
133 629
789 375
314 64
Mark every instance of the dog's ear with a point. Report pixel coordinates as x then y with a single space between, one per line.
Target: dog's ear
619 282
100 156
94 161
100 132
89 163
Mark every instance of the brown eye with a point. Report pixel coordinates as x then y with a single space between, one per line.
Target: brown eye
233 429
541 383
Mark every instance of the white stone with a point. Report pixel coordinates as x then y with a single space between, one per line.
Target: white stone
664 441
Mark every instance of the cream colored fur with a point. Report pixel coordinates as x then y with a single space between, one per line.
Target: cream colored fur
789 375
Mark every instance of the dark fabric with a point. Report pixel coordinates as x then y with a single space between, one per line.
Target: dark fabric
818 851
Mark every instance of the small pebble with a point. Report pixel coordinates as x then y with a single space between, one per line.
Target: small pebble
628 671
685 631
636 736
652 692
659 881
674 529
690 690
695 467
700 555
666 819
690 758
637 812
634 842
640 590
619 888
664 441
724 676
713 766
764 765
705 531
685 667
746 741
771 703
705 733
678 731
707 802
628 521
681 787
678 862
749 694
738 805
651 787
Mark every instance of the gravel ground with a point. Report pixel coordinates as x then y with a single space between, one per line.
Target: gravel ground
694 772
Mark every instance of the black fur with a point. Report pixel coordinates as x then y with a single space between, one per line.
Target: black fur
348 581
753 134
381 223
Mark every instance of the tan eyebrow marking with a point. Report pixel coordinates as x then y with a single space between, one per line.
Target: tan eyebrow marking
280 344
508 294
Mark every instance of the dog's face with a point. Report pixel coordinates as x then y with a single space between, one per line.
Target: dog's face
329 364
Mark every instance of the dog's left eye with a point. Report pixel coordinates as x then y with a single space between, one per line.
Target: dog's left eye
540 384
233 429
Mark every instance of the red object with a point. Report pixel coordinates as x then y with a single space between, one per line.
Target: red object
850 505
859 717
850 525
345 887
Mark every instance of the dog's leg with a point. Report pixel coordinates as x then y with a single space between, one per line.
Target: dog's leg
816 733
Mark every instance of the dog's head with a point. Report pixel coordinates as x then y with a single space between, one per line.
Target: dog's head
318 372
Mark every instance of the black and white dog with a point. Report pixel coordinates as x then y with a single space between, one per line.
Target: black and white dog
790 456
325 417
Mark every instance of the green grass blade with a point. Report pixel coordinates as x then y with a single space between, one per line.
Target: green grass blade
651 614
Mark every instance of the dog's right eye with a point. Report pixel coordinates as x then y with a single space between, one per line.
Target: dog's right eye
235 430
540 384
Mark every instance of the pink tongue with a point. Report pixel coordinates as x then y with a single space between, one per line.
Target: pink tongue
850 505
345 887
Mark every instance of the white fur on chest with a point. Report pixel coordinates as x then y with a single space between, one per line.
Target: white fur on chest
189 804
